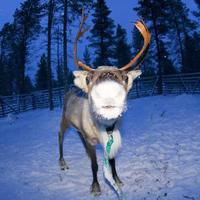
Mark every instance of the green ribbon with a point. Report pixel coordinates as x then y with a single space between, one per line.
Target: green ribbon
109 144
108 148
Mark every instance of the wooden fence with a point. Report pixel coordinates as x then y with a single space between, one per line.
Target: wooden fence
172 84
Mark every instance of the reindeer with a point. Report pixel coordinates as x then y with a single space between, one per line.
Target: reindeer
96 116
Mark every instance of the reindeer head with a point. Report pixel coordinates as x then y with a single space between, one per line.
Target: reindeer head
107 86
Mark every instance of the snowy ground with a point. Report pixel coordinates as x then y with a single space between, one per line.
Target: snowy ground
159 159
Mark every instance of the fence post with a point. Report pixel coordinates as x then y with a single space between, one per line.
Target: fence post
154 86
160 84
2 107
24 103
60 97
33 101
196 85
137 91
18 99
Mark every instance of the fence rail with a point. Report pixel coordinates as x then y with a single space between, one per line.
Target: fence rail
147 86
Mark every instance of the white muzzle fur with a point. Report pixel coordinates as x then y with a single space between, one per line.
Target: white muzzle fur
108 100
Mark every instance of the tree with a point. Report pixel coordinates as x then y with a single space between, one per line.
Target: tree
191 53
101 38
27 26
180 24
170 21
86 56
65 20
70 10
156 12
167 64
196 50
51 7
122 51
28 85
59 68
197 13
41 76
147 66
7 72
64 11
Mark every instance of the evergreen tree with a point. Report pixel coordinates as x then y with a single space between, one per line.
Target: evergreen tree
197 13
28 85
154 11
70 10
60 75
8 56
86 56
59 68
5 76
65 4
196 42
102 34
41 77
169 20
180 24
51 10
167 64
147 66
122 51
65 7
191 53
27 26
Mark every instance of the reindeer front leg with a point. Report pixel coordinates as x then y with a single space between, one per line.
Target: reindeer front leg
95 187
108 173
91 151
114 172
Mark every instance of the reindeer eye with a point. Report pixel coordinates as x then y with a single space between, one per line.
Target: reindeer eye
125 78
87 80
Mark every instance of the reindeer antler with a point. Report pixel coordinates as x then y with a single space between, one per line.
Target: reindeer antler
147 37
78 36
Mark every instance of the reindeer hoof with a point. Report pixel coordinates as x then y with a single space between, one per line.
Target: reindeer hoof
95 189
118 181
63 165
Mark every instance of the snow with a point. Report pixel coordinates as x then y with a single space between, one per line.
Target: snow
159 159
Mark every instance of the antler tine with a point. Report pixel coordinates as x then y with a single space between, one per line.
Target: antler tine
140 25
78 36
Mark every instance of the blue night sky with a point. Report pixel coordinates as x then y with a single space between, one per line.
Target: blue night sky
122 11
7 9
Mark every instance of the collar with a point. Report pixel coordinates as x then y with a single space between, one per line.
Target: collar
110 129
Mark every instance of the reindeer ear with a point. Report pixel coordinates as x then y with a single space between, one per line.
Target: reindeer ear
132 75
80 80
